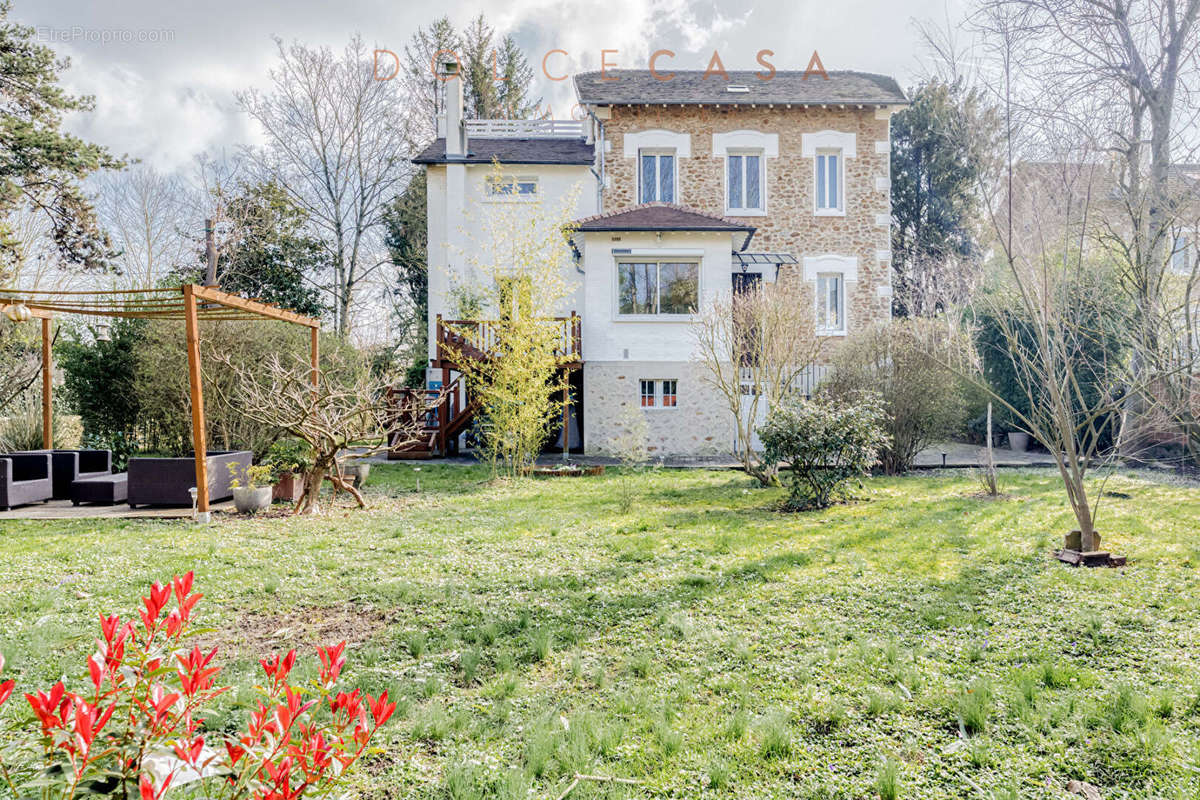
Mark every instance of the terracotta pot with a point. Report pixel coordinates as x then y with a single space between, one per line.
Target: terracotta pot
289 488
251 499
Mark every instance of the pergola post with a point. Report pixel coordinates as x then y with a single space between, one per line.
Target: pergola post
314 354
47 379
192 323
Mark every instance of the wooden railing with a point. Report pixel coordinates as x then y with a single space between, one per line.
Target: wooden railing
524 128
459 339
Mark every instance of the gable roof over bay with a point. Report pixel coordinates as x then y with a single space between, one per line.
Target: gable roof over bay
663 217
690 87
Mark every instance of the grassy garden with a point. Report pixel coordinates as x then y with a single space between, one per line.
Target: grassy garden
674 629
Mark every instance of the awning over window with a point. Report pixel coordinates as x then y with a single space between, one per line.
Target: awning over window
745 260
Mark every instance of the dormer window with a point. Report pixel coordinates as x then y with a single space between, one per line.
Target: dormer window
656 176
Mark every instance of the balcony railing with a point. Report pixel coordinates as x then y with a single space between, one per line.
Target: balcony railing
459 339
524 128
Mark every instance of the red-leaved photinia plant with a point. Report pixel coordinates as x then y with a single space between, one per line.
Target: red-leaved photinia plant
135 728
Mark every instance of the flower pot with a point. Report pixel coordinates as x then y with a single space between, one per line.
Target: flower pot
251 499
289 488
1018 441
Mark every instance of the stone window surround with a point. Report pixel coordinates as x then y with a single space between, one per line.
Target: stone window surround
745 142
656 141
847 267
811 143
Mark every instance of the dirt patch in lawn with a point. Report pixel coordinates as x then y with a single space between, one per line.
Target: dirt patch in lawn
256 635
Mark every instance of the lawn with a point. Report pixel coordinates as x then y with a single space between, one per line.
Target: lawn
920 639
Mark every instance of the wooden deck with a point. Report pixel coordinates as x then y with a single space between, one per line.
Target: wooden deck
63 509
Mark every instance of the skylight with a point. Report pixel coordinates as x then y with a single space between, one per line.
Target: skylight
740 89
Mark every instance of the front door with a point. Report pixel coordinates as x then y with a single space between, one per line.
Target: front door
745 281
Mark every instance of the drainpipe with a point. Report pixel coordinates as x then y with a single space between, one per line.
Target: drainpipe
601 175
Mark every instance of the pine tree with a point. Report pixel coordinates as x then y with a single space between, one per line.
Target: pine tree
41 165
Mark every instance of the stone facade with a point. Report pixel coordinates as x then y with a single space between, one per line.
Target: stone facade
698 426
789 225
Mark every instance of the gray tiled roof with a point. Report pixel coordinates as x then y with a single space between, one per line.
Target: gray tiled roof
514 151
689 87
662 217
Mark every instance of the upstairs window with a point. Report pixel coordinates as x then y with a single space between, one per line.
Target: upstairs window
831 303
658 288
656 176
510 187
829 183
744 182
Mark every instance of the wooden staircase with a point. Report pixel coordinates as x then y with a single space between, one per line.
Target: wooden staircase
442 415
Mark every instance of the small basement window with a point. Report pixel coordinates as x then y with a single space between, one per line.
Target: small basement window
659 393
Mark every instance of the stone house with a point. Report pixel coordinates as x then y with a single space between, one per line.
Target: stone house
686 188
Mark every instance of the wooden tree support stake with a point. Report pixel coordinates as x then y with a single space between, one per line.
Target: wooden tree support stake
598 779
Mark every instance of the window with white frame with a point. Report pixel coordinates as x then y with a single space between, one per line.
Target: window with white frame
511 187
659 393
828 190
831 303
744 181
656 176
658 288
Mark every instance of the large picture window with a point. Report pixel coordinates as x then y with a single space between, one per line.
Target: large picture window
656 180
658 287
744 182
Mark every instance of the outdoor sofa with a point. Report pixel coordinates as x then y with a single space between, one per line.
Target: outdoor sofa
25 478
167 481
72 465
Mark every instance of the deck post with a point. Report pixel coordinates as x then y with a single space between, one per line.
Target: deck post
443 408
47 378
192 322
567 417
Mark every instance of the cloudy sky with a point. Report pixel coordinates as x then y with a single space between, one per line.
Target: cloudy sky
164 73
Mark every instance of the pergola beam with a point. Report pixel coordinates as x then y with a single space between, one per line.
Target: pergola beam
261 309
198 302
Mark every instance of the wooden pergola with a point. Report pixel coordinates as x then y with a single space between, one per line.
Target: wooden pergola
190 303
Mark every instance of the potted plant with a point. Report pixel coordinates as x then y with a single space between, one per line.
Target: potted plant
288 459
251 488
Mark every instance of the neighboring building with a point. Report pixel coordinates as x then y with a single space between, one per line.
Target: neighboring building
691 187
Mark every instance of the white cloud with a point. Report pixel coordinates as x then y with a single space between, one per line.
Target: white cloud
165 100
